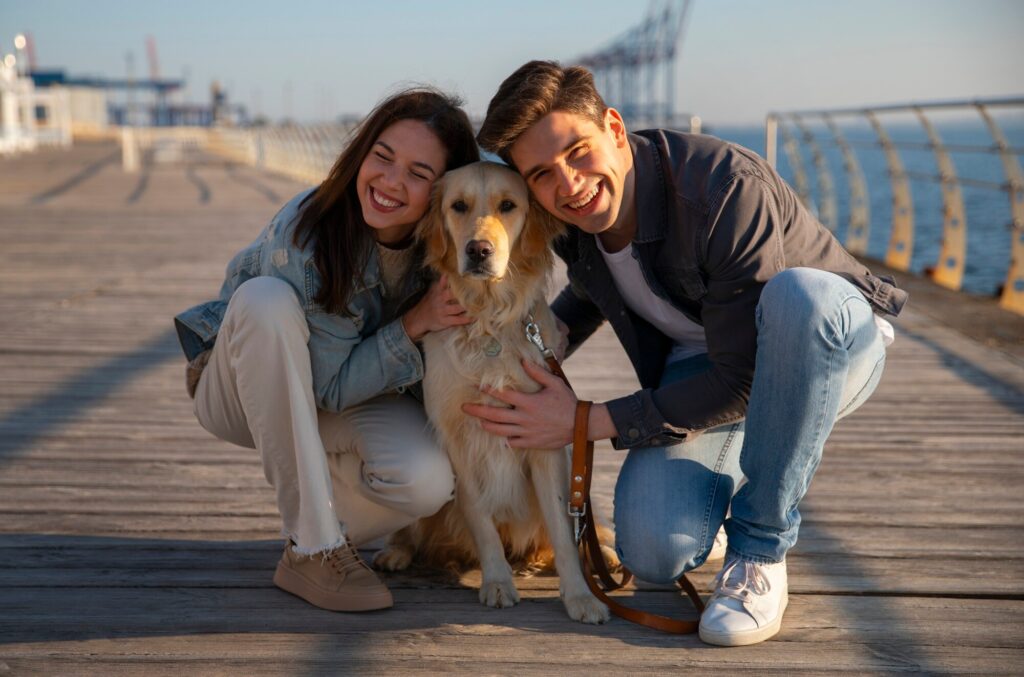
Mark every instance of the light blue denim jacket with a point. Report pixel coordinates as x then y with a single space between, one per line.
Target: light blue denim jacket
354 357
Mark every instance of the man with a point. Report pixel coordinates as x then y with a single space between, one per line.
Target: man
750 328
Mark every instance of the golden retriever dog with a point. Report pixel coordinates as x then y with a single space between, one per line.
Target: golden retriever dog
510 504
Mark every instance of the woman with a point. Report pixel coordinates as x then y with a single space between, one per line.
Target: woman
309 355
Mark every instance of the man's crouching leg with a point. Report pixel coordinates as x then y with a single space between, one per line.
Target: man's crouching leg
819 356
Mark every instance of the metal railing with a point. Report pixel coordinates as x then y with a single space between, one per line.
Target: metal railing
796 128
306 153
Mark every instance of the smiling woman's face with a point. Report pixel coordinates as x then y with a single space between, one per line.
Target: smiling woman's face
396 176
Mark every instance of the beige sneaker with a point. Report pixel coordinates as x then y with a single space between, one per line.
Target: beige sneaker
338 580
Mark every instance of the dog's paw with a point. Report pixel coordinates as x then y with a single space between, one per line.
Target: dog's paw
586 609
611 559
393 558
499 594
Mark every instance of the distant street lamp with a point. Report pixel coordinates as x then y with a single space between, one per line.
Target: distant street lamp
19 44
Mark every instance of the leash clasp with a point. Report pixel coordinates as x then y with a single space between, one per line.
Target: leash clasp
577 518
533 334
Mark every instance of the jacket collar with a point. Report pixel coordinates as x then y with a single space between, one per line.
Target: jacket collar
371 273
648 191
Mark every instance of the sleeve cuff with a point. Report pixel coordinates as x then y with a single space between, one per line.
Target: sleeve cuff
638 423
400 354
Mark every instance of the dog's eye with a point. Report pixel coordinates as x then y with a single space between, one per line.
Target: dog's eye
506 206
460 206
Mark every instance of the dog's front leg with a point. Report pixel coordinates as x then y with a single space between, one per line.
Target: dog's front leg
550 472
496 588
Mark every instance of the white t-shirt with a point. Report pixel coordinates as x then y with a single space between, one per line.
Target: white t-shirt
687 336
886 330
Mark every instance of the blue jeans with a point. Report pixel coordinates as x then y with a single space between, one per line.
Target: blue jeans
819 357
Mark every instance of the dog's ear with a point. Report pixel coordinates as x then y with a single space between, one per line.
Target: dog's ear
430 229
540 231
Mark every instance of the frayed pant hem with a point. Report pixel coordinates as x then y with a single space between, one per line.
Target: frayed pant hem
317 550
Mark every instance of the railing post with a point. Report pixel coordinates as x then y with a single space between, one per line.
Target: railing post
1012 297
790 146
129 150
826 190
771 134
860 206
901 242
949 269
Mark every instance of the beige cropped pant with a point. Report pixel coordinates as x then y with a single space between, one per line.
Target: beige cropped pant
361 473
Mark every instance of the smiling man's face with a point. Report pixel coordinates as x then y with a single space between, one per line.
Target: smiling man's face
577 171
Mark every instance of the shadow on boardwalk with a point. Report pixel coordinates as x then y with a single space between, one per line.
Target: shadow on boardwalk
105 587
47 413
179 597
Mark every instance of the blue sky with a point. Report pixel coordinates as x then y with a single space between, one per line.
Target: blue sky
739 58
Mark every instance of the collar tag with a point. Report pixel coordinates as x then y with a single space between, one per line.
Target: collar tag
492 348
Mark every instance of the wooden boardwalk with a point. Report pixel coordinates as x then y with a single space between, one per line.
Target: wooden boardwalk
131 541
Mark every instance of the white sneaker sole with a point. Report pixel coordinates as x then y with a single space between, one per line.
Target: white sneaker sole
744 637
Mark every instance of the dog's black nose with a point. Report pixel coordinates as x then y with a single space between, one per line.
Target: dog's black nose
478 250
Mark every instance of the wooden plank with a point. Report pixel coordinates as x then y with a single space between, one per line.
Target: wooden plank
252 628
146 563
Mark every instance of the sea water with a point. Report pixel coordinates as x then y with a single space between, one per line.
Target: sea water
987 211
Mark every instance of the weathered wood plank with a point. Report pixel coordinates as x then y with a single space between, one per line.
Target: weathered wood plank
828 574
243 628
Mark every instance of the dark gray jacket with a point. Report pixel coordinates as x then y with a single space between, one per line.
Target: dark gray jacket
714 223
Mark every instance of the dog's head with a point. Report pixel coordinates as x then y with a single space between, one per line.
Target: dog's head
482 223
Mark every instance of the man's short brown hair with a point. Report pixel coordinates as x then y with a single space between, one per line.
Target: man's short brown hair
534 90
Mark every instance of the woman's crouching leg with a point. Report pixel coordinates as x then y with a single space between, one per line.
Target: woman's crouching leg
257 391
386 466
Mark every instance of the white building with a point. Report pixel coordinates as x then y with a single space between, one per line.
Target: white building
30 117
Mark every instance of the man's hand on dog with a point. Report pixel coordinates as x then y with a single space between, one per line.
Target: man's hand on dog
540 420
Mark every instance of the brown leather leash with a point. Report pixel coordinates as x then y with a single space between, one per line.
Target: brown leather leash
584 531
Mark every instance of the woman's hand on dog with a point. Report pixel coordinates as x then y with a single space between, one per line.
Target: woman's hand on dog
540 420
437 310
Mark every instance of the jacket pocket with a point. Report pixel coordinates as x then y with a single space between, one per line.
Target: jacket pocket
310 287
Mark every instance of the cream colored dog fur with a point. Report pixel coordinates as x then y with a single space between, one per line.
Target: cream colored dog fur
510 503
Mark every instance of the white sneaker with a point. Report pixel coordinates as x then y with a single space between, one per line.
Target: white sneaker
719 547
747 605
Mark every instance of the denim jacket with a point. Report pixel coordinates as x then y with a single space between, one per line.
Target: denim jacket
354 357
714 223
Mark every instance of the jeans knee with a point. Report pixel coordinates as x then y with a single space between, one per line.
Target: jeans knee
652 554
661 561
804 299
794 289
267 304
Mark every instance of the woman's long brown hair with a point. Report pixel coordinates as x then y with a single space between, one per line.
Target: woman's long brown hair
332 219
